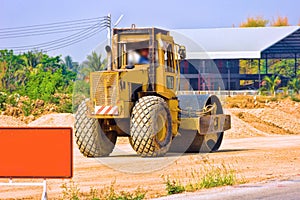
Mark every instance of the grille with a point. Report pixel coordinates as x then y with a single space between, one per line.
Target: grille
104 88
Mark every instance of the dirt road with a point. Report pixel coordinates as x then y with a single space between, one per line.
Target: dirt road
256 159
262 145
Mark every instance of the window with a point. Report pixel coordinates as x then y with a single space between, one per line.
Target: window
169 59
170 82
134 53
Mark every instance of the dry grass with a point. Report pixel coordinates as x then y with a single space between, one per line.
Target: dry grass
71 191
207 176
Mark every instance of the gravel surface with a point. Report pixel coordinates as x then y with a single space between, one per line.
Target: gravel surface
61 119
10 121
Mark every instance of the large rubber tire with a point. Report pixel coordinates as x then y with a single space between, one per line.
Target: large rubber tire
90 138
151 127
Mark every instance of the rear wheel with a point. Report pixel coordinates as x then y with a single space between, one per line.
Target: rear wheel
191 140
90 138
211 142
151 127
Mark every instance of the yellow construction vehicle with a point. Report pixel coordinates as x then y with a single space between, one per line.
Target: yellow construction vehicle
137 97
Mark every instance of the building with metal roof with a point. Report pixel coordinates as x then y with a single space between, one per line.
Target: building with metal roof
227 46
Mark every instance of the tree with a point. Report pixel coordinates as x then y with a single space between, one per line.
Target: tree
34 74
280 21
93 63
282 67
69 62
270 83
32 58
294 84
255 22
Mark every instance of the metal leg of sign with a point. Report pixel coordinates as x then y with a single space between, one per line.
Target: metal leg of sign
44 195
43 184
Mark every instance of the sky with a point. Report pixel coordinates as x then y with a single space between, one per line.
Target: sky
169 14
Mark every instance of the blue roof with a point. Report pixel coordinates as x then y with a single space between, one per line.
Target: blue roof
232 43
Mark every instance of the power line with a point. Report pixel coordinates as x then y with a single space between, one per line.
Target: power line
49 24
48 27
83 27
62 41
45 32
75 41
58 40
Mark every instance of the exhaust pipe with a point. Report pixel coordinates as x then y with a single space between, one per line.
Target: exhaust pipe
109 58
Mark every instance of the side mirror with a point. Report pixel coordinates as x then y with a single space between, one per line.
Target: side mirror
182 52
109 57
107 49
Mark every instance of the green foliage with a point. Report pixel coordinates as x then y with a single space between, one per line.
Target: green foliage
81 92
72 191
295 98
271 83
67 107
294 85
36 75
249 67
284 67
109 193
93 63
13 99
173 187
27 108
213 176
3 99
208 176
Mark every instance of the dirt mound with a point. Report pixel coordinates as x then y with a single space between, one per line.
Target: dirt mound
279 119
287 106
10 121
268 120
244 101
240 128
61 119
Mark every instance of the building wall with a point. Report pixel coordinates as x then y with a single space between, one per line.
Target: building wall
209 74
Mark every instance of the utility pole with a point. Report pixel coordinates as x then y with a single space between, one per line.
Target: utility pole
109 39
109 31
109 27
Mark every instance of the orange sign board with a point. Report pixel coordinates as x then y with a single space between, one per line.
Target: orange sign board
31 152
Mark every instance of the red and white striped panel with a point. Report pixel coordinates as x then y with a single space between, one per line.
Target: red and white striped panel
106 110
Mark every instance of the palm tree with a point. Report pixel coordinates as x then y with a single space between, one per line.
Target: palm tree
68 62
92 64
294 84
270 83
32 58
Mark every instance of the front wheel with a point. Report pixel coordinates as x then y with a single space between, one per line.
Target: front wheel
90 138
151 127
